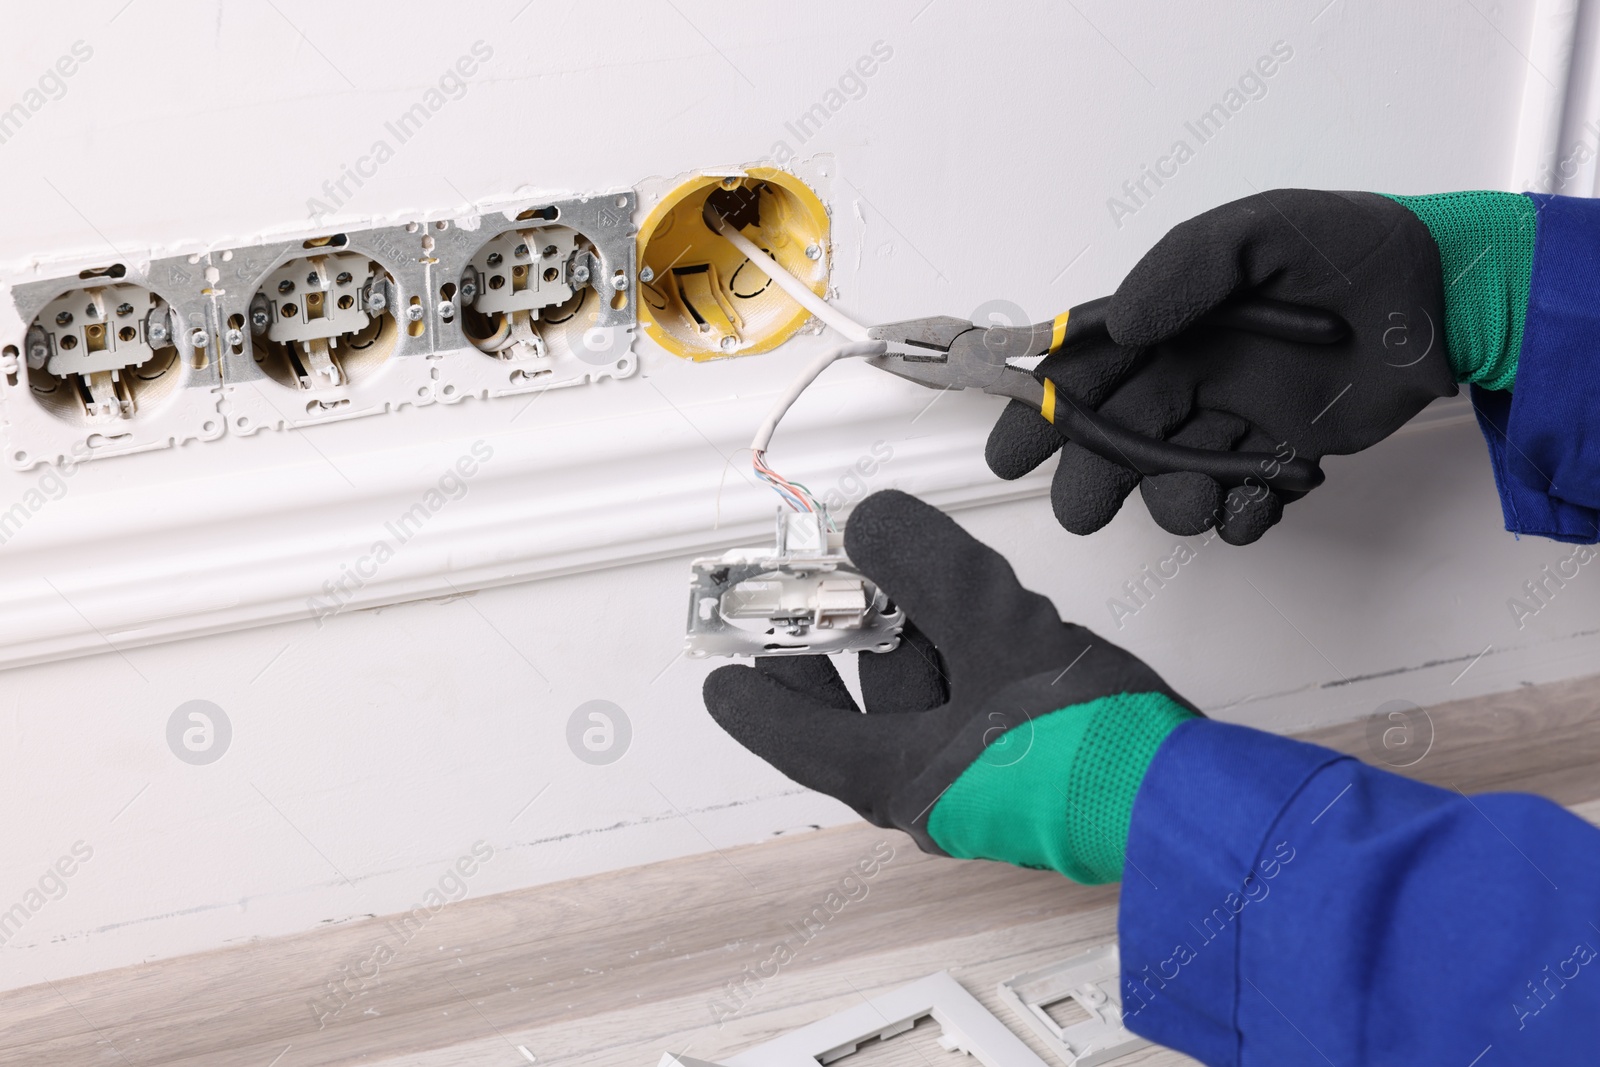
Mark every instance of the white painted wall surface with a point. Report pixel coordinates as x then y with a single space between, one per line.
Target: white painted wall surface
370 752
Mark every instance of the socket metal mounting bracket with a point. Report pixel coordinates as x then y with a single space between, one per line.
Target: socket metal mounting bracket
801 596
44 427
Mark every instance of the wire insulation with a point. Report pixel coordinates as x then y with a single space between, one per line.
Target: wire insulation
810 374
798 290
794 494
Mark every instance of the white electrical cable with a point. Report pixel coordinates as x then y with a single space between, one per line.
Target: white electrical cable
806 377
794 494
797 289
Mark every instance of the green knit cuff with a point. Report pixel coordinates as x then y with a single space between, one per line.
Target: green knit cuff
1057 792
1485 244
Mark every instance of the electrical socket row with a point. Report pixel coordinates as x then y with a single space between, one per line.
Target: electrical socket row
132 356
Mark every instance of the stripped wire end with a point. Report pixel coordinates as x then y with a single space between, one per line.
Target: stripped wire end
797 496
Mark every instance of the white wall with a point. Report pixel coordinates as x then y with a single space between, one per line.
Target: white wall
368 753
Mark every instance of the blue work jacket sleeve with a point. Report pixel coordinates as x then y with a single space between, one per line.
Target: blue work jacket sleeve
1544 436
1284 904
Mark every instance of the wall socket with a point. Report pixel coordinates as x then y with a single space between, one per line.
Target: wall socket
137 355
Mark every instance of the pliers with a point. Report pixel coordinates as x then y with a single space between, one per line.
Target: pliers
942 352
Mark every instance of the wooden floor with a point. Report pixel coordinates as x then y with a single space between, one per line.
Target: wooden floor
618 968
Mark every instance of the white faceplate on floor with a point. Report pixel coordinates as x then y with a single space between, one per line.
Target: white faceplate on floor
966 1026
1090 980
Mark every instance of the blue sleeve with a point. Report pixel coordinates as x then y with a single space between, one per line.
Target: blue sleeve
1284 904
1544 437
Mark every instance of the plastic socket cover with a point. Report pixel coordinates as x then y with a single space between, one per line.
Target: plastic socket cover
1089 980
965 1024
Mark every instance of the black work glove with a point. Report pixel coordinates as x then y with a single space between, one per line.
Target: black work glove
1048 727
1145 359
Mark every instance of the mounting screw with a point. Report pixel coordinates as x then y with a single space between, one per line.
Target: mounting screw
37 354
259 318
414 313
235 338
158 333
377 301
729 343
813 251
447 308
580 274
619 281
199 338
468 291
647 275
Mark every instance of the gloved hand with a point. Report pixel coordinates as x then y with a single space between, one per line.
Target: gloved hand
1144 358
994 730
